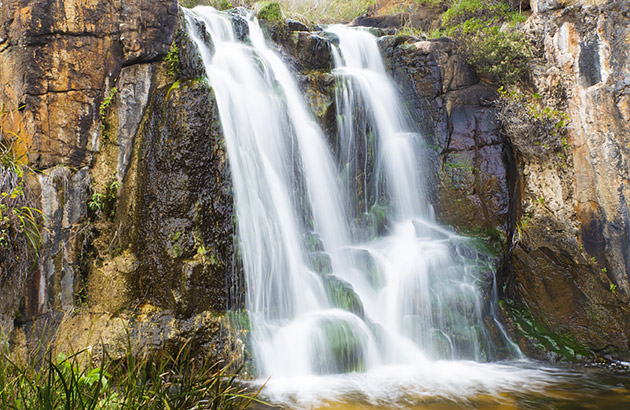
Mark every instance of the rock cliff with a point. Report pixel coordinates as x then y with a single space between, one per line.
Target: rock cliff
135 184
571 261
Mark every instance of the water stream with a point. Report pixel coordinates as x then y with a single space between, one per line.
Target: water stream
353 289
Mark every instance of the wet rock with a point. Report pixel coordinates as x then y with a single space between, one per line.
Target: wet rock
185 240
312 51
52 285
134 86
469 157
294 25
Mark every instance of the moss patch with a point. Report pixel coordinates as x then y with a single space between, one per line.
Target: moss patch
558 345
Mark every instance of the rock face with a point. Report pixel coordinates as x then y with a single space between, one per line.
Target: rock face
135 187
570 255
471 159
58 57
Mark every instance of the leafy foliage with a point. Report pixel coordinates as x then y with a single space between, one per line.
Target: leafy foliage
270 11
172 58
104 204
484 31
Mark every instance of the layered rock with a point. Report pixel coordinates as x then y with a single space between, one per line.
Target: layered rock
58 57
571 261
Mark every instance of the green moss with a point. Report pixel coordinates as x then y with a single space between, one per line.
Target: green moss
563 345
172 58
175 249
270 11
238 319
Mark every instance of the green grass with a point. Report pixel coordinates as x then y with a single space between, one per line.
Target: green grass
152 381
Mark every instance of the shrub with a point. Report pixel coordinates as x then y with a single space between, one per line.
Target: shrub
463 10
270 11
500 56
484 32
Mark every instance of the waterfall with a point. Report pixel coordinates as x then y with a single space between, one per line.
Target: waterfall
347 273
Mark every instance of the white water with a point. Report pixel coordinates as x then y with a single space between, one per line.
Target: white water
332 304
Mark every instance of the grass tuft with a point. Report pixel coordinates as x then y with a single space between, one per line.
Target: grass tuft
152 381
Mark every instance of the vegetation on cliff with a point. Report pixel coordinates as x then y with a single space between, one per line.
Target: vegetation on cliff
19 218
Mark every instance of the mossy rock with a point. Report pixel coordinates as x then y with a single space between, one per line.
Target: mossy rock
556 345
341 347
342 295
320 262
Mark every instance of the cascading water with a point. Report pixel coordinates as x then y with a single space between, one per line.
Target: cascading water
351 285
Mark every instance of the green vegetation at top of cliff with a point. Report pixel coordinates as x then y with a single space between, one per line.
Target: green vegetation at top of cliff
485 31
270 11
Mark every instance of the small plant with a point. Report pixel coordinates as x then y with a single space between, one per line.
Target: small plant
104 204
107 102
522 227
613 288
96 203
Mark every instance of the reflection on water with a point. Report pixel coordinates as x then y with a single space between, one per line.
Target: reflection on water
457 385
